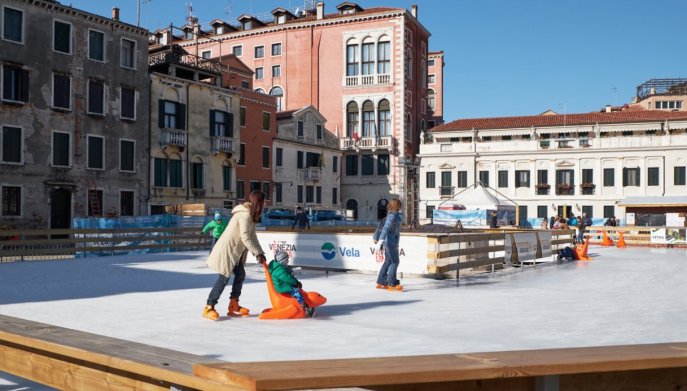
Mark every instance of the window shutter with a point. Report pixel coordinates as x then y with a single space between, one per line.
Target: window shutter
161 113
181 116
625 176
212 123
229 126
24 79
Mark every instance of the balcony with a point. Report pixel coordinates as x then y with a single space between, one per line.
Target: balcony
177 55
312 174
367 80
585 143
587 188
543 188
545 144
565 189
368 143
446 191
564 144
222 144
174 137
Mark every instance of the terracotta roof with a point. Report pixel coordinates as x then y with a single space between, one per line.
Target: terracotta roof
561 120
285 114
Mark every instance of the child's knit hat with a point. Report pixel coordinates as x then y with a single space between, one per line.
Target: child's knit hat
282 257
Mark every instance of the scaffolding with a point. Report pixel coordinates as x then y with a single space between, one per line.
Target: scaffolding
662 87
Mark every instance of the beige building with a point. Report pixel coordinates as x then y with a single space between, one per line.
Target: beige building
306 161
194 137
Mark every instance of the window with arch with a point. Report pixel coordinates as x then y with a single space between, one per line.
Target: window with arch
279 94
351 119
384 57
368 57
368 118
197 173
352 62
384 109
260 90
431 99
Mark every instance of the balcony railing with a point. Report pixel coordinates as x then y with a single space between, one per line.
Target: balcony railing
585 142
565 189
174 137
367 80
587 188
543 189
384 142
564 143
312 174
179 56
446 191
222 144
546 144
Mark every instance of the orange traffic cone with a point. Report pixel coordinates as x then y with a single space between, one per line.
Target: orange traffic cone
606 241
621 240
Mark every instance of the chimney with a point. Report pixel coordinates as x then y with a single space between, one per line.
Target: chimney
413 10
320 11
608 108
115 13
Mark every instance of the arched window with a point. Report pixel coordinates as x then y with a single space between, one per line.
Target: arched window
431 99
352 120
352 58
368 56
384 127
279 94
368 119
260 90
384 56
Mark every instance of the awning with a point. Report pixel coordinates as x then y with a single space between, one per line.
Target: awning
652 202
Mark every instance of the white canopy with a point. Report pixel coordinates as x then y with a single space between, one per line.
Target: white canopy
480 197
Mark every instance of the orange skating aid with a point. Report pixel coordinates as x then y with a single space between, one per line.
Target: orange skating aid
286 307
606 241
580 251
621 240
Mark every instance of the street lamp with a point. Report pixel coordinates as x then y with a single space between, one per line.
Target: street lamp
408 187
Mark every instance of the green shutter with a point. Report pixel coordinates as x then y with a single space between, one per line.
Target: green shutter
181 116
229 126
161 113
212 123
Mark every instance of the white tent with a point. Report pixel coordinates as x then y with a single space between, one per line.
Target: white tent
478 197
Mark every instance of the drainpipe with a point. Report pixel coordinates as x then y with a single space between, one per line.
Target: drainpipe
188 144
150 142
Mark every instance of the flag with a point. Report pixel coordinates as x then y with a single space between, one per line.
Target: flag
355 136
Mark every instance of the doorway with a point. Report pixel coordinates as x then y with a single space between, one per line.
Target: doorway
352 208
565 211
60 210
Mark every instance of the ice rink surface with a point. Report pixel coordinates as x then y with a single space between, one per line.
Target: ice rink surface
622 296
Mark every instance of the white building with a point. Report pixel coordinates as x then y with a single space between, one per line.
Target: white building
586 163
306 161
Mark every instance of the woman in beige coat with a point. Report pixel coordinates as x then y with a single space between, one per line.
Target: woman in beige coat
229 255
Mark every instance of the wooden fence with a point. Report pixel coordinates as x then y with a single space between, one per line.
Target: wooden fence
36 244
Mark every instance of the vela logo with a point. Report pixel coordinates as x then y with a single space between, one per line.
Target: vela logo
328 251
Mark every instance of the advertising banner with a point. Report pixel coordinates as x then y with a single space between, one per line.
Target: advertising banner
527 246
343 251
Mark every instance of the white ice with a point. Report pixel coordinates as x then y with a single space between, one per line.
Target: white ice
622 296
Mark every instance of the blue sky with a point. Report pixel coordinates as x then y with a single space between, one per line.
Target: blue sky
505 57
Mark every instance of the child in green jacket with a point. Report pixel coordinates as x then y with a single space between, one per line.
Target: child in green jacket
285 282
217 226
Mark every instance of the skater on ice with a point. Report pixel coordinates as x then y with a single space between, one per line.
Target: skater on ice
285 282
388 239
228 256
218 225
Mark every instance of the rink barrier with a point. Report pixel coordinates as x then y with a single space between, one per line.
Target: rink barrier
37 244
74 360
455 252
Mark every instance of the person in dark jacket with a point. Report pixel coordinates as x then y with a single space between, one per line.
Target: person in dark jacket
301 219
285 282
611 222
493 221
